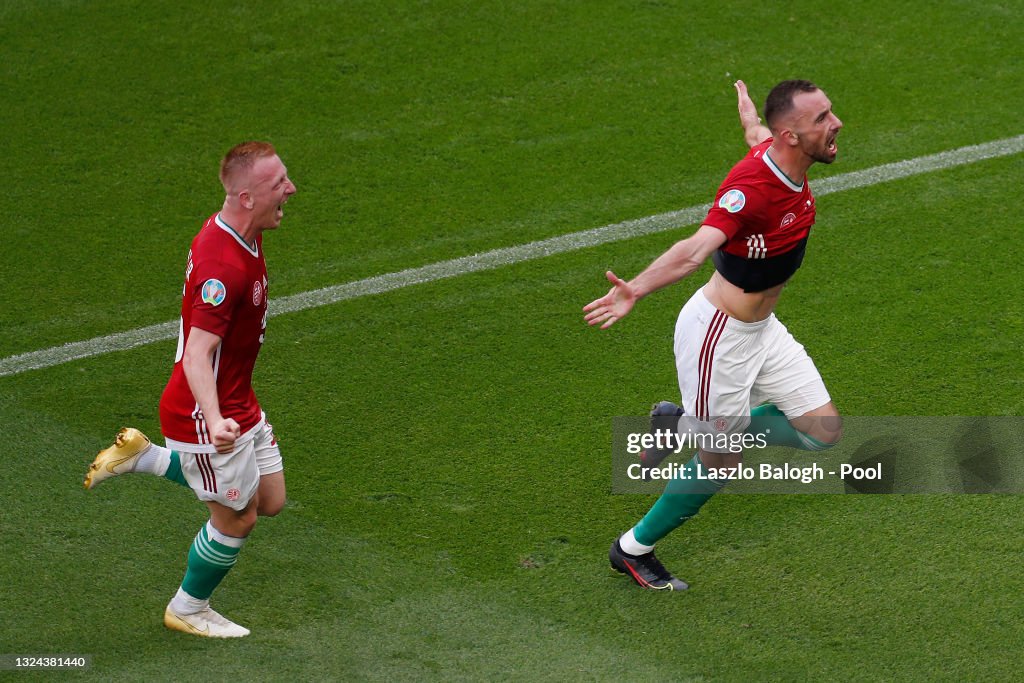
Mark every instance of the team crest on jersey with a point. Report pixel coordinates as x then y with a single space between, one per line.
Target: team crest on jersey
214 292
787 219
732 201
257 293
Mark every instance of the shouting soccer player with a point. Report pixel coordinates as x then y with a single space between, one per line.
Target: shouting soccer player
738 366
219 442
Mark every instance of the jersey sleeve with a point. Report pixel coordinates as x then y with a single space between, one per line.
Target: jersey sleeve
736 205
216 290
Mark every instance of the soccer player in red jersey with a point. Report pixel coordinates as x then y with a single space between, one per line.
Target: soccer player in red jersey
738 367
219 442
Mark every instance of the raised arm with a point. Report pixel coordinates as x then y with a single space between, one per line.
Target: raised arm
754 132
681 259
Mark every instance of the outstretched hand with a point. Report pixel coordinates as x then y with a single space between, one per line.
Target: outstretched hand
754 132
748 112
614 305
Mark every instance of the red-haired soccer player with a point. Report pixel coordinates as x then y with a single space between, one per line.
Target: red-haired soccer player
219 442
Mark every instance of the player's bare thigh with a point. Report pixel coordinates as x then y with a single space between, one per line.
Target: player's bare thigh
823 423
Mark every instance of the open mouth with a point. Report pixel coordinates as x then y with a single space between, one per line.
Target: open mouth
832 149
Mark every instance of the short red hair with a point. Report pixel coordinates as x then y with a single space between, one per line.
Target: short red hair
241 158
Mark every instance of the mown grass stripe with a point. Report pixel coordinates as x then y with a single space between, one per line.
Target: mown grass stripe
497 258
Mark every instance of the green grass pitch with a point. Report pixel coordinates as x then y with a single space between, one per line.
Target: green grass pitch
447 444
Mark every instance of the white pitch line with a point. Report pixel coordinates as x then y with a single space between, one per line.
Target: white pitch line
35 360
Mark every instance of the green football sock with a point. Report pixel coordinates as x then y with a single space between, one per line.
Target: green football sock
682 498
174 470
768 420
685 495
209 560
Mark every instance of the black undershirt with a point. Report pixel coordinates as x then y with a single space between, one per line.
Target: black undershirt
759 274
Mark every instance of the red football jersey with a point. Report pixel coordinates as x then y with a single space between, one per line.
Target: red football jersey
764 214
760 210
225 294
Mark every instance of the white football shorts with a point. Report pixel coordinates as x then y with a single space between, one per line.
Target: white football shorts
232 479
726 366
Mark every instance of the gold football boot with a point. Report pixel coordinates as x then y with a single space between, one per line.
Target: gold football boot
118 458
205 623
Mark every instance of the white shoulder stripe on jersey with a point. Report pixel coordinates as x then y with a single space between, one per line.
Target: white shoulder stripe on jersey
775 169
251 248
216 361
202 434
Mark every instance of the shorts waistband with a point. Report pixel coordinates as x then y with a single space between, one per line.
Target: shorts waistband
732 324
188 447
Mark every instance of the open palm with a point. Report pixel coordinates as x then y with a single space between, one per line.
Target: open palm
614 305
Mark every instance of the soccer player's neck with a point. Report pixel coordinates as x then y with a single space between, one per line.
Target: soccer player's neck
240 222
791 161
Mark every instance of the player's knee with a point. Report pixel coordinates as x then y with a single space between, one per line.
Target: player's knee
820 429
244 522
247 520
831 429
271 494
270 507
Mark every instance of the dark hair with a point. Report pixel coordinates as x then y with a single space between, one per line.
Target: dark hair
780 100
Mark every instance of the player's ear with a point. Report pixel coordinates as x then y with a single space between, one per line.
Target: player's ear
245 199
